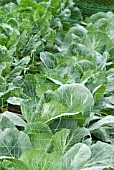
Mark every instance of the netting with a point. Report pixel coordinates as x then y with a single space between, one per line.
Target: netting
89 7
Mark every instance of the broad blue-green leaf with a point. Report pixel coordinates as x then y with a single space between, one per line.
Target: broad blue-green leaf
14 101
41 141
52 109
40 135
103 134
106 121
81 157
75 96
76 157
64 123
9 92
94 80
67 72
98 41
101 156
29 86
80 134
77 30
86 65
27 109
108 103
97 16
5 123
37 127
30 112
60 142
48 59
13 143
15 119
33 46
35 160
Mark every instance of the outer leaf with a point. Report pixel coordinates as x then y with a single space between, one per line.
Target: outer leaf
28 110
13 143
98 41
82 157
60 141
102 155
48 59
80 134
15 119
29 86
41 141
106 121
5 123
75 96
67 123
52 109
76 157
102 134
37 127
35 160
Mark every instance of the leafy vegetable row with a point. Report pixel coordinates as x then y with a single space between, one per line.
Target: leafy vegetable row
57 70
